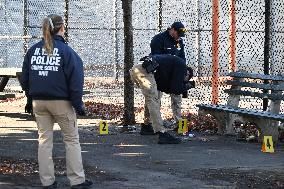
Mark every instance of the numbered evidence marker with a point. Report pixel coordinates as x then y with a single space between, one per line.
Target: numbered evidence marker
103 128
182 126
267 145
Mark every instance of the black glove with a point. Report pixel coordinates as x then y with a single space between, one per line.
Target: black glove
29 106
190 72
190 84
81 111
145 58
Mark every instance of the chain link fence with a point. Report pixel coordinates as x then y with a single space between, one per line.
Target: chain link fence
95 31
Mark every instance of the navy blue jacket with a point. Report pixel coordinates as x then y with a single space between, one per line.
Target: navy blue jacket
170 74
164 43
56 77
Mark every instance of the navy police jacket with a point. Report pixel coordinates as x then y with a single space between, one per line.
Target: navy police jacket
164 43
56 77
170 74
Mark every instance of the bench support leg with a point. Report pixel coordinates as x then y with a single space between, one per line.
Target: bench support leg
230 120
267 127
219 116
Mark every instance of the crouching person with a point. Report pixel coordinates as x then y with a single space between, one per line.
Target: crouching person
52 76
165 73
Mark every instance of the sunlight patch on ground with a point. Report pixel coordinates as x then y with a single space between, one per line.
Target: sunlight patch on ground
89 143
130 145
130 154
5 183
6 132
28 139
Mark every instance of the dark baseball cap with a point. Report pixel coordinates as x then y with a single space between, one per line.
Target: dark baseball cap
179 27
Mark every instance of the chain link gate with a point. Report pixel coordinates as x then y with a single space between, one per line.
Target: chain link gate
95 31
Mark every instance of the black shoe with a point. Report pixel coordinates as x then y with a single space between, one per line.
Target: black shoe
84 185
166 138
54 185
147 129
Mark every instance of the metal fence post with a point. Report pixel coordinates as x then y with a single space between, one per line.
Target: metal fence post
160 15
198 43
116 36
266 65
66 15
129 116
25 13
6 23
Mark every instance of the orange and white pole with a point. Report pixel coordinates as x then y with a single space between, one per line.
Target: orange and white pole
215 50
232 36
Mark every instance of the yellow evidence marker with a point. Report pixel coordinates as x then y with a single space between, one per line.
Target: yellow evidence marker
182 126
267 145
103 128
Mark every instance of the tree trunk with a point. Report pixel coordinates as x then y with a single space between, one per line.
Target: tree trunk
129 116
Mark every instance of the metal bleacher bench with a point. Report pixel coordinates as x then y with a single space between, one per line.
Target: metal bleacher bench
5 75
253 85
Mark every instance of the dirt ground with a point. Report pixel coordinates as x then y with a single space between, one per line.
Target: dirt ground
129 160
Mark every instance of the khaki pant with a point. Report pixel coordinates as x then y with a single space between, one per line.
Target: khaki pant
147 83
47 112
175 106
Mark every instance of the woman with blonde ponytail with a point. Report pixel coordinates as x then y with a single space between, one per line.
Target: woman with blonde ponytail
53 78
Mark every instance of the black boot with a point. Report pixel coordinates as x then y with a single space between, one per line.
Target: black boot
147 129
85 185
166 138
53 186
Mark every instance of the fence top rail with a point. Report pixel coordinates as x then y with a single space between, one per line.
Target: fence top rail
240 74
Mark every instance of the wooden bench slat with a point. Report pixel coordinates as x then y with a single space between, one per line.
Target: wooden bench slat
10 95
85 92
3 97
256 76
256 85
242 111
254 94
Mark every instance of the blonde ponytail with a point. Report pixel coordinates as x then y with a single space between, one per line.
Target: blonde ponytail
50 26
48 41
